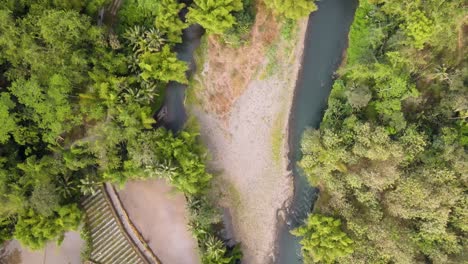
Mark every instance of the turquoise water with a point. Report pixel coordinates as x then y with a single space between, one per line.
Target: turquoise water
325 43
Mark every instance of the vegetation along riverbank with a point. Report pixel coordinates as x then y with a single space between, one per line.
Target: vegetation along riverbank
390 155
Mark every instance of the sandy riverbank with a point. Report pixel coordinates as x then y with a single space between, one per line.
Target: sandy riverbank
249 148
67 253
159 214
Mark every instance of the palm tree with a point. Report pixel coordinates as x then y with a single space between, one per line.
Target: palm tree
142 40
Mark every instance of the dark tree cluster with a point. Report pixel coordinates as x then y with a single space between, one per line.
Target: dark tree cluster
390 156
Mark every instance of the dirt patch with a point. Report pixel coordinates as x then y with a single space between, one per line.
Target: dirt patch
159 214
227 70
69 252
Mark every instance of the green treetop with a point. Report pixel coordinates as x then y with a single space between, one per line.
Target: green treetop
214 15
322 239
293 9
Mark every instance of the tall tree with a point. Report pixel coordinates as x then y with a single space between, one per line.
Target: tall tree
214 15
293 9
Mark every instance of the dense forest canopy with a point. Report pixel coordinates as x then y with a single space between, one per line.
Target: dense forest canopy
390 157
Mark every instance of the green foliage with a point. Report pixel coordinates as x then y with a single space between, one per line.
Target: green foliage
76 105
142 40
245 18
138 12
163 66
7 227
35 230
179 158
167 20
203 218
8 120
216 253
85 235
322 239
288 29
292 9
73 99
214 15
390 156
419 28
44 199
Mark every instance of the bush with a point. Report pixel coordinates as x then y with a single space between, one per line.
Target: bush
35 230
239 33
322 239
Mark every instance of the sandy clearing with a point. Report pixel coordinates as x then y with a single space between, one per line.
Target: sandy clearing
159 214
67 253
254 183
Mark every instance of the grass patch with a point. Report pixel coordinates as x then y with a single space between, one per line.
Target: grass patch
234 196
277 139
272 66
85 234
195 83
288 29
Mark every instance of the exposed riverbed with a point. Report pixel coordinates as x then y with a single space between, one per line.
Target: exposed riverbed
325 42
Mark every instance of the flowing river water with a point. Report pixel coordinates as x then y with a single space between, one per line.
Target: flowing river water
325 43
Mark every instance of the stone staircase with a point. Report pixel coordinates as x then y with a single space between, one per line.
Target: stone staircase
110 243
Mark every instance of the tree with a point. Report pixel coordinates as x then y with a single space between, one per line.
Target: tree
216 252
322 239
63 29
144 40
214 15
163 66
35 230
167 20
390 155
293 9
8 121
419 28
44 199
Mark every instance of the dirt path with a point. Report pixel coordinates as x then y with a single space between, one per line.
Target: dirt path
67 253
249 152
158 212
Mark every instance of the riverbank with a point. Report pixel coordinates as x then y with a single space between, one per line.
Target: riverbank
244 124
325 43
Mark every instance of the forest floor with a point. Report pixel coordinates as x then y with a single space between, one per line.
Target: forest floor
243 98
159 213
69 252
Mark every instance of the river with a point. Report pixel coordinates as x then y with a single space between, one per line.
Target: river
325 43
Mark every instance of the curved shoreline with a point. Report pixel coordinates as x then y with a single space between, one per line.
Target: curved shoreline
288 156
324 46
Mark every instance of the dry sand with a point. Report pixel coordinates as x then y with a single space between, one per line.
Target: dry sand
255 182
67 253
159 214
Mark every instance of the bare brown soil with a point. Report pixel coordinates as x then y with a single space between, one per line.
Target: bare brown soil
228 70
